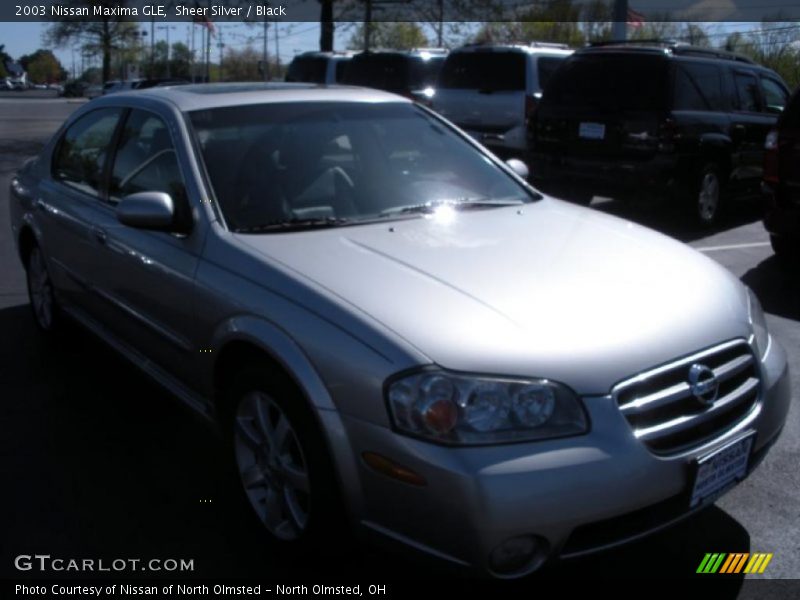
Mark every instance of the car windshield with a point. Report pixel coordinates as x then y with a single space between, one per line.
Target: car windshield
610 82
333 163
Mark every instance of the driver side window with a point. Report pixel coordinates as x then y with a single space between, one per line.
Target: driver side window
146 160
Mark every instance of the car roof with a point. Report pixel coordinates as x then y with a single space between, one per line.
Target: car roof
667 49
532 48
213 95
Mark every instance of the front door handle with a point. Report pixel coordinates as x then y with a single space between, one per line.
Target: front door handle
100 235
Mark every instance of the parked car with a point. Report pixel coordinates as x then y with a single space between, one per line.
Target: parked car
74 89
319 67
143 84
379 313
665 121
409 73
93 91
781 184
116 85
491 91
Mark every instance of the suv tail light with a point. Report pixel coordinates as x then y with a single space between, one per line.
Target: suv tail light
771 157
531 104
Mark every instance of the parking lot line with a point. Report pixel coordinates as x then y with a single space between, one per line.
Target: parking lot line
732 247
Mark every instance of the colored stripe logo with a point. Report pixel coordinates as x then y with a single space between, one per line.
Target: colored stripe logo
736 562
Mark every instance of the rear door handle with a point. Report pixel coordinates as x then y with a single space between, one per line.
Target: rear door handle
100 235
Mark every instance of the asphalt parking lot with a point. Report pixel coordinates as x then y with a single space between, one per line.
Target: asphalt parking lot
97 461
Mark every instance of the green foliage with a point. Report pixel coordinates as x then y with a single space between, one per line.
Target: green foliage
43 67
398 36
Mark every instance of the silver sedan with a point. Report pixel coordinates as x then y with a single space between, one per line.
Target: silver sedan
392 328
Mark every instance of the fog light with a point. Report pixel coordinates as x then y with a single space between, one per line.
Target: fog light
518 555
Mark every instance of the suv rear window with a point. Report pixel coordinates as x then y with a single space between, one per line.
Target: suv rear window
393 71
610 82
491 71
307 69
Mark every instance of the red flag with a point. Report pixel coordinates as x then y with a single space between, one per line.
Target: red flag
635 19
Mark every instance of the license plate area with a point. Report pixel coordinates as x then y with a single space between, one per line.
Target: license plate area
717 472
592 131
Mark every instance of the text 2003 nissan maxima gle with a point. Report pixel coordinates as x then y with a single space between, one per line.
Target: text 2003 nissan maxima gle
389 320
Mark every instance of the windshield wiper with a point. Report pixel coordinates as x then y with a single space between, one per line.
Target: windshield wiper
294 224
464 203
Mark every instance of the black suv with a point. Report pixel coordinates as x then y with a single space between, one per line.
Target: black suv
655 121
408 73
782 183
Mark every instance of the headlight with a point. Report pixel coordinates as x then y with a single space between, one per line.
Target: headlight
461 409
761 337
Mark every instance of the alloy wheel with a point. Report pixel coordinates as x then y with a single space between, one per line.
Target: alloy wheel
41 290
272 466
708 197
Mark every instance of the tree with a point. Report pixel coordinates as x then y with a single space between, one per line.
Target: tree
326 25
104 35
43 67
557 22
180 61
696 35
597 18
4 58
398 36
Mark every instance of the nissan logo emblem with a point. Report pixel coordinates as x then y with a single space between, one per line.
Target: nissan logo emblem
703 384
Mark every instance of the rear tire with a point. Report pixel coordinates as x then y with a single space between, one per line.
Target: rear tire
283 462
708 197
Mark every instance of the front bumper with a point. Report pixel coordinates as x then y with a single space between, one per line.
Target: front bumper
580 494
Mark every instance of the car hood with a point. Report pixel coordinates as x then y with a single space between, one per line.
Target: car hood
548 289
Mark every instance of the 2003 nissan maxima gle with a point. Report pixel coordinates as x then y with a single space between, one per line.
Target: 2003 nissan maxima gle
398 324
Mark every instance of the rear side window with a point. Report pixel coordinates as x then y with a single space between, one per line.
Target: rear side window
546 66
307 69
82 151
698 87
748 99
609 82
490 71
775 96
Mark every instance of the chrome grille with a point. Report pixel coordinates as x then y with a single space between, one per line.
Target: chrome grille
666 416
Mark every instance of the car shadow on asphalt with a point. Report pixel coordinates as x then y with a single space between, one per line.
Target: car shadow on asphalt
104 464
777 286
678 222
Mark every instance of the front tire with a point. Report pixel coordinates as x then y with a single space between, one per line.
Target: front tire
41 293
282 460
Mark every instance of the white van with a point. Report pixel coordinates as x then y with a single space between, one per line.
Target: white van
491 90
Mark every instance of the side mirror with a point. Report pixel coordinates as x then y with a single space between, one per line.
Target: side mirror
147 210
519 167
